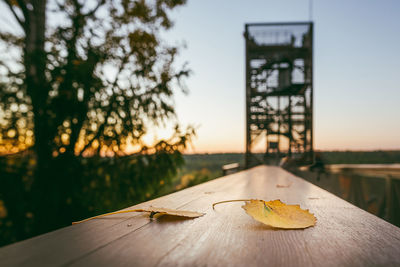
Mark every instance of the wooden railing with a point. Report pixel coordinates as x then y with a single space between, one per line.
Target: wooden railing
230 168
343 236
372 187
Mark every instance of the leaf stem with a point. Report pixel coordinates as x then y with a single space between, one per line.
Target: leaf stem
227 201
106 214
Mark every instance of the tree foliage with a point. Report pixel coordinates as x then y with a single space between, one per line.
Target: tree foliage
93 79
88 78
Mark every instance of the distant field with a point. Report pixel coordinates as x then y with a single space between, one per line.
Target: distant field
203 167
215 161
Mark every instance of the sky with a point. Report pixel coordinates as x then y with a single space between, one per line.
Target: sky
356 70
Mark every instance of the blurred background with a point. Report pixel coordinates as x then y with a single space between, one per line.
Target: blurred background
105 104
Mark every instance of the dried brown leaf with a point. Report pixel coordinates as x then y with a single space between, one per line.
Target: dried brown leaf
153 211
284 186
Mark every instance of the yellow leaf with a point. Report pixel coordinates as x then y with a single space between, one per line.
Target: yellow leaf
3 210
277 214
153 211
14 3
76 62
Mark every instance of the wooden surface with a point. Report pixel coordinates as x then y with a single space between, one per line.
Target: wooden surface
368 170
344 235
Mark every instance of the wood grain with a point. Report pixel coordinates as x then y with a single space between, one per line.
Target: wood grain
343 236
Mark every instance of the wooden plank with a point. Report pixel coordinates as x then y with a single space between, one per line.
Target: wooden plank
75 241
344 235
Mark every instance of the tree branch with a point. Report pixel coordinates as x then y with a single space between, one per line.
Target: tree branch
22 5
20 21
102 126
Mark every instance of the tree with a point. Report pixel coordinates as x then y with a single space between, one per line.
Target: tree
87 78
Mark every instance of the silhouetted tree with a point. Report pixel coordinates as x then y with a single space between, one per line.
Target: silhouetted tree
85 78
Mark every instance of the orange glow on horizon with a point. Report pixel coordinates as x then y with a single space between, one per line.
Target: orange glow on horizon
216 144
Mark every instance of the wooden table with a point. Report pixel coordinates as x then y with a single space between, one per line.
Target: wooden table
344 235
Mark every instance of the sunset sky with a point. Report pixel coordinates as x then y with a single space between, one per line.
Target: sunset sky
356 70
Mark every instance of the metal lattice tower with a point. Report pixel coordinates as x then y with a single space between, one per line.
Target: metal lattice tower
279 92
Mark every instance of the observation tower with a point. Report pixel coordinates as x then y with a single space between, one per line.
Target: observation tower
279 93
